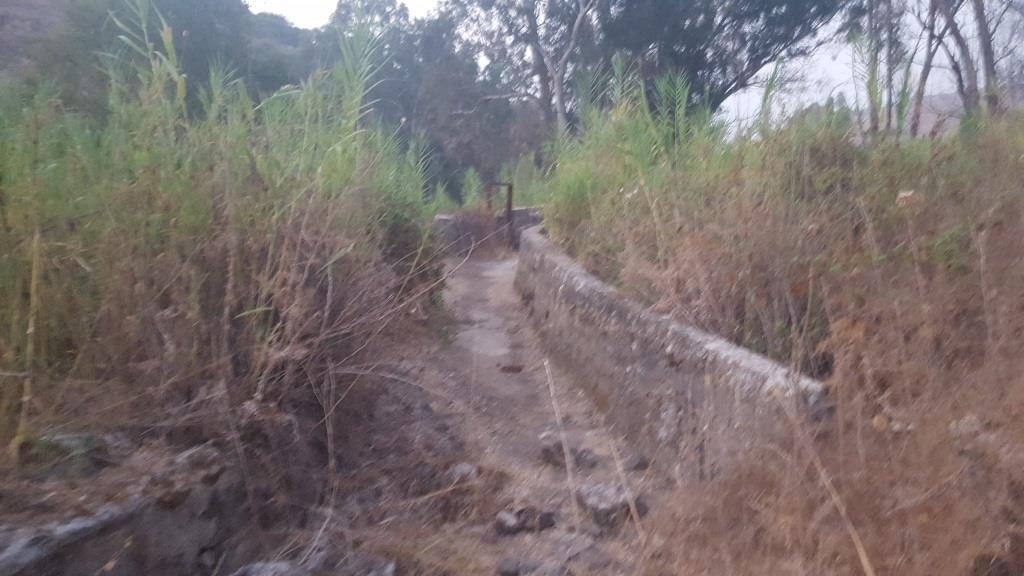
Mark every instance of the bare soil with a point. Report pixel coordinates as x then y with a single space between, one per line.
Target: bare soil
433 442
488 374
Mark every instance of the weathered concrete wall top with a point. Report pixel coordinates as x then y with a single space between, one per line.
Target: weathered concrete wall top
693 399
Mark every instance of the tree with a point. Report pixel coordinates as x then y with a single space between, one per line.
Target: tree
718 46
551 60
934 34
980 28
962 59
68 58
278 53
533 47
207 31
988 54
464 115
429 88
877 29
264 50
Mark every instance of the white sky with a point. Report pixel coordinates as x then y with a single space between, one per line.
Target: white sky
831 70
827 72
316 13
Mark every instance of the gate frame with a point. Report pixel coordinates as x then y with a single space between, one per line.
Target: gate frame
513 241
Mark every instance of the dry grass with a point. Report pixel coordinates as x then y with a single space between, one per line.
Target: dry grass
893 273
211 276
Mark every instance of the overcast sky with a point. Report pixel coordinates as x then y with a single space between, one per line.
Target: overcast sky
315 13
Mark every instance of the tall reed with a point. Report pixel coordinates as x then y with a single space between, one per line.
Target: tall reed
888 267
248 247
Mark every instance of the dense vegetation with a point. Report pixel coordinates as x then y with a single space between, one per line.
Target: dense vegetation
207 214
187 260
479 83
890 270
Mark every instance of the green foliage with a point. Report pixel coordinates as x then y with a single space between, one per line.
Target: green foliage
264 50
627 157
528 181
427 89
183 238
442 202
472 189
951 249
732 232
718 48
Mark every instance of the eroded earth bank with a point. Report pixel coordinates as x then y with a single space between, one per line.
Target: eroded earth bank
461 451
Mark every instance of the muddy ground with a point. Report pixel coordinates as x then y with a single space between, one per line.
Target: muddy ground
488 383
462 451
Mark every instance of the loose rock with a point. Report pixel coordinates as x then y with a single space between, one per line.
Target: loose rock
636 463
584 459
551 452
525 519
516 567
608 504
463 472
533 520
967 427
506 523
551 449
361 563
270 569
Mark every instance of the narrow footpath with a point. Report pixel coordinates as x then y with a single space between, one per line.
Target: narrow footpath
535 515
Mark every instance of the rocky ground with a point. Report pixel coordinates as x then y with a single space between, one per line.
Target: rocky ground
464 452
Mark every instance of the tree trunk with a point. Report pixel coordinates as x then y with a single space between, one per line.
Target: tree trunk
874 47
561 113
988 56
922 85
926 68
540 70
889 38
968 69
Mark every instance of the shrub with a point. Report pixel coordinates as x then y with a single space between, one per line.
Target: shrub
170 267
888 270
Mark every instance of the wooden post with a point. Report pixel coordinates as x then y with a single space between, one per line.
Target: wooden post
511 223
510 219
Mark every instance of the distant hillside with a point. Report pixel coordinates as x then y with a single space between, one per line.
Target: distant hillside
60 38
942 113
23 23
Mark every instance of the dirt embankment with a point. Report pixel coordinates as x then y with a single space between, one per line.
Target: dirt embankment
486 441
459 451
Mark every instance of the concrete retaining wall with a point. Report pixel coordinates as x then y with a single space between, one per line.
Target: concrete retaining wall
693 400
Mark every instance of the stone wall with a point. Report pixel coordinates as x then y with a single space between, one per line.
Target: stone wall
695 402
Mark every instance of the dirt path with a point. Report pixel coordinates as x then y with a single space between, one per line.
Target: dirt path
450 463
491 373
